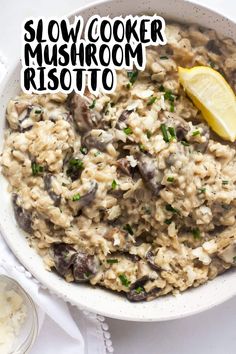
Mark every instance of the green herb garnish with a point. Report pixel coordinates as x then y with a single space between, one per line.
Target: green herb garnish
76 197
170 208
76 162
84 150
196 132
196 233
212 64
38 111
148 133
201 190
234 259
128 228
114 184
139 289
224 182
97 153
171 130
184 143
164 57
112 261
168 221
128 131
151 101
142 147
172 107
93 104
162 88
165 133
132 75
124 280
170 179
36 168
169 96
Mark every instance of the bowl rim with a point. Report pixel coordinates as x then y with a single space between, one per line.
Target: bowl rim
92 307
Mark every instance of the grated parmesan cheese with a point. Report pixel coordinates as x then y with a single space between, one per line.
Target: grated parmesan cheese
12 316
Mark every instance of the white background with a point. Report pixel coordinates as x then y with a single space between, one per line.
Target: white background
212 332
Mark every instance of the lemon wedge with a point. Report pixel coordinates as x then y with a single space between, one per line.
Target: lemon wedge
213 96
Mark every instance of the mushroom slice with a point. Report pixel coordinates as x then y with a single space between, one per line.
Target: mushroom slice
97 138
48 187
84 118
23 217
63 258
85 266
150 173
137 292
88 198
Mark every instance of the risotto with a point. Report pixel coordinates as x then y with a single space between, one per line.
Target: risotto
131 191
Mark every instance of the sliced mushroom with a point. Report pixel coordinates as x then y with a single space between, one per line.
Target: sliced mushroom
63 258
75 168
124 166
120 124
150 260
150 173
23 217
137 292
84 118
85 266
88 198
98 139
48 187
213 47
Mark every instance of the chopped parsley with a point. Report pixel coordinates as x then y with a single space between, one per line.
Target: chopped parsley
93 104
112 104
172 107
152 100
196 132
148 133
234 259
97 153
170 179
38 111
142 147
76 197
124 280
212 64
169 96
196 233
168 221
139 289
162 88
171 130
201 190
165 133
184 143
129 229
112 260
164 57
76 162
114 184
128 131
84 150
75 167
36 168
132 75
225 182
170 208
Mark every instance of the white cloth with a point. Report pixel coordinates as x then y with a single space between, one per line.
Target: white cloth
74 331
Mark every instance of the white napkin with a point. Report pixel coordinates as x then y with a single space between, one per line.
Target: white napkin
63 328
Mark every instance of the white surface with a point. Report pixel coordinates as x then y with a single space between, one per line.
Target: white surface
213 331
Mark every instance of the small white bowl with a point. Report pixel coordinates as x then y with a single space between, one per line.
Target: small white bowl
29 329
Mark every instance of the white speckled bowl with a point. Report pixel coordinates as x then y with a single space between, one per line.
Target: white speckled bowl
99 300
